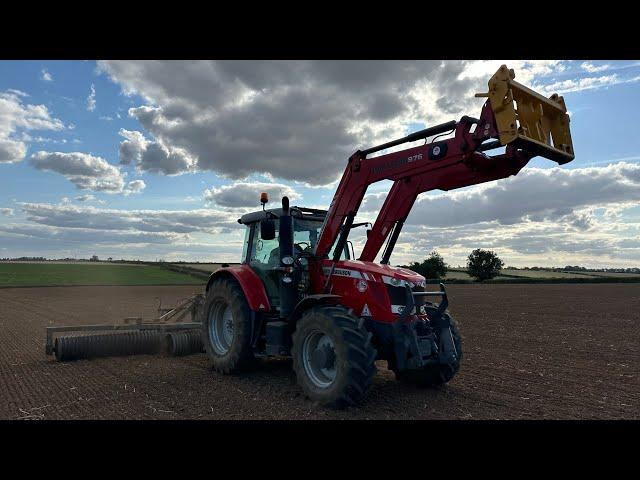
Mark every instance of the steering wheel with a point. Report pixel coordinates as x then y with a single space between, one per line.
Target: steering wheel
299 246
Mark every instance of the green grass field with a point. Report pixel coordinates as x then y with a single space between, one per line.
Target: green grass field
44 274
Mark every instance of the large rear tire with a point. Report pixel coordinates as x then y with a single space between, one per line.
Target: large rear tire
333 358
226 327
436 375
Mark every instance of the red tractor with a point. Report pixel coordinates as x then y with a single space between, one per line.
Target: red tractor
300 292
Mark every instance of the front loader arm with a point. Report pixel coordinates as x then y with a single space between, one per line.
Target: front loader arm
362 172
527 123
472 170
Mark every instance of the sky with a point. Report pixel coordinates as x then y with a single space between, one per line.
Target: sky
157 159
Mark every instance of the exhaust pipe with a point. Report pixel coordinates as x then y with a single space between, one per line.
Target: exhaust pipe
288 291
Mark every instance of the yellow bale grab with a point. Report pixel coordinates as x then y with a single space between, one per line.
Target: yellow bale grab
529 120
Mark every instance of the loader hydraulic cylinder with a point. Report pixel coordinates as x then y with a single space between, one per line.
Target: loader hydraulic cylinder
426 133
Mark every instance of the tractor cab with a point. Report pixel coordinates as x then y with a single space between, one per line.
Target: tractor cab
261 247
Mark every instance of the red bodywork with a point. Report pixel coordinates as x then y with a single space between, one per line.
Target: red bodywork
250 282
348 273
413 173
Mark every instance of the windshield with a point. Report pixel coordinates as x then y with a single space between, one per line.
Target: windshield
305 237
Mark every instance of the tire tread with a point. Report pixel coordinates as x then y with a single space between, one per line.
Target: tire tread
360 352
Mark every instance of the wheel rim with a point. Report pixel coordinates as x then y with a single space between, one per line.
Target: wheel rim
221 328
319 359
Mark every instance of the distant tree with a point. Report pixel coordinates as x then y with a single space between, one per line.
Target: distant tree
432 267
484 264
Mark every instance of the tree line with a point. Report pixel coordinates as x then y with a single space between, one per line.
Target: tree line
481 265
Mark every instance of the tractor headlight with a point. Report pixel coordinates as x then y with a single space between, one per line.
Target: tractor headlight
287 260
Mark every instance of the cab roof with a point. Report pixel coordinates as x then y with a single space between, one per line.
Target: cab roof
297 212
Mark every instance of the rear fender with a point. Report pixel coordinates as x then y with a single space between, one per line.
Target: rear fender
250 283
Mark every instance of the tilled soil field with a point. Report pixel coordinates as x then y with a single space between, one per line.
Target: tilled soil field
530 352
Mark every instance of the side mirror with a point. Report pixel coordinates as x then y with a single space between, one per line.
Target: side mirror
267 229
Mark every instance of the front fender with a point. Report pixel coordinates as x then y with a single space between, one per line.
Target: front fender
250 283
308 302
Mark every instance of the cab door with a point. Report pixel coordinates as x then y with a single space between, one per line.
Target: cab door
264 258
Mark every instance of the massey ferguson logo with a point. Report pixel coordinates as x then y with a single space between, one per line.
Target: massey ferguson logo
341 272
344 273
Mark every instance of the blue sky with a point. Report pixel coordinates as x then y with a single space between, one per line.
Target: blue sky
163 157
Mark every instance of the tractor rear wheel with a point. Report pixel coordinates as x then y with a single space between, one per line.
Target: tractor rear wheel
436 375
333 358
227 327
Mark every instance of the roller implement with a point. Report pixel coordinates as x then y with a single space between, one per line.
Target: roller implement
300 292
165 334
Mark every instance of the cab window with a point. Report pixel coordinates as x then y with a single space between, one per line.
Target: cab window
305 237
265 253
245 244
264 257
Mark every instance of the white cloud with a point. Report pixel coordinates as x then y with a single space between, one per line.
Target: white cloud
526 70
88 217
151 156
46 76
89 198
12 150
555 216
85 198
52 242
551 217
542 243
91 99
17 93
88 236
135 186
86 172
592 68
534 193
296 120
245 194
7 211
65 229
18 118
585 83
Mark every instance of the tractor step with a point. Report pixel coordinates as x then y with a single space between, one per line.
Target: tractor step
278 339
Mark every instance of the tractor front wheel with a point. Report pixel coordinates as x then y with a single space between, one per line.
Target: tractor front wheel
333 358
227 327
